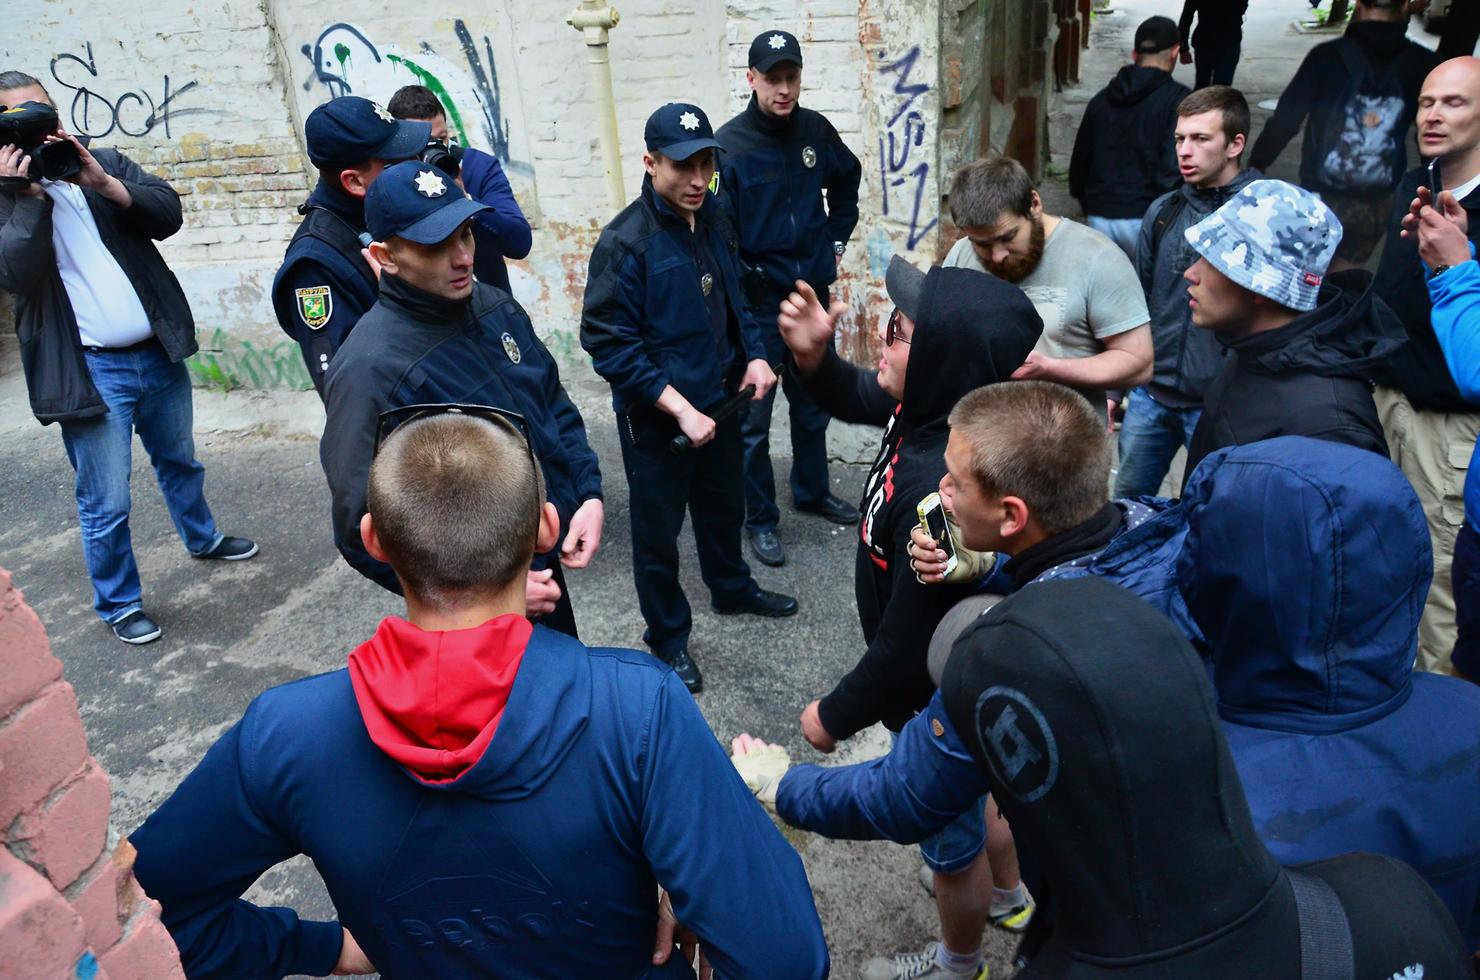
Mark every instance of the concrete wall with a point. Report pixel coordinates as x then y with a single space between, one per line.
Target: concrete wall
69 906
212 94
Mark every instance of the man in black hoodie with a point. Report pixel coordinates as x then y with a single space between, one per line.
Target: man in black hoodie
1303 347
1123 153
1360 92
938 346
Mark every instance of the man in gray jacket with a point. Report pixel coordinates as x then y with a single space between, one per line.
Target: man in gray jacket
104 330
1212 128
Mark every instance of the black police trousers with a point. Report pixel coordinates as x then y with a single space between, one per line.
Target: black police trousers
708 482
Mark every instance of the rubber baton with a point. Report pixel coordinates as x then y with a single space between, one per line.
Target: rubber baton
681 444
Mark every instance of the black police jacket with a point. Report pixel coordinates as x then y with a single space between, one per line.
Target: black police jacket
772 178
645 321
52 357
324 285
413 348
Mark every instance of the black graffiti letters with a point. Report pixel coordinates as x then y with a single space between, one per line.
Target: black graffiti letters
132 112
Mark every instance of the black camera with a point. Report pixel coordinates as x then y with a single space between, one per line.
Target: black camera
26 126
446 157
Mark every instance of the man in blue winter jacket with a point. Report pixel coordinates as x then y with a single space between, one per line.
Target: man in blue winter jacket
502 231
483 797
435 335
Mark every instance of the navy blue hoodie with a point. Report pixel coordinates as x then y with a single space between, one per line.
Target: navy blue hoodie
1306 564
494 802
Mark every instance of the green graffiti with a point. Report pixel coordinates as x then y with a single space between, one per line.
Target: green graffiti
438 89
341 51
228 363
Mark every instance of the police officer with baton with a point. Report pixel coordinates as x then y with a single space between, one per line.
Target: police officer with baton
667 326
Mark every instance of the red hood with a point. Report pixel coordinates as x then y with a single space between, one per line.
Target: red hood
431 700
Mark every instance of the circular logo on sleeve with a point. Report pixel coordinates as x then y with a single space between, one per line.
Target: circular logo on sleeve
1017 742
511 348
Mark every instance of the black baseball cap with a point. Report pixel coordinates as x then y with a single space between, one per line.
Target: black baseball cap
1157 34
417 202
772 48
905 285
350 130
678 130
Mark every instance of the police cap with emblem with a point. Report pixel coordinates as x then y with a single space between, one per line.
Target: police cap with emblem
773 47
417 202
678 131
350 130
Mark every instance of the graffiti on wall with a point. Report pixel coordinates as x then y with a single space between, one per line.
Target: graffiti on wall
94 109
903 172
347 62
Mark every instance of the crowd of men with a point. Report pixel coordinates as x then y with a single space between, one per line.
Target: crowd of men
1175 735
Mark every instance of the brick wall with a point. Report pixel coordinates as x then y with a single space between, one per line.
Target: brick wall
69 906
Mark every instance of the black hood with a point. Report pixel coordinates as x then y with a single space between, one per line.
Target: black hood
1133 83
1384 40
1101 741
973 330
1349 334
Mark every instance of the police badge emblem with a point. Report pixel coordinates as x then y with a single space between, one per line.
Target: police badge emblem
315 306
809 157
706 283
511 348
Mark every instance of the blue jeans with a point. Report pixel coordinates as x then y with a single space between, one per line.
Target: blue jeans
1125 232
1149 438
144 392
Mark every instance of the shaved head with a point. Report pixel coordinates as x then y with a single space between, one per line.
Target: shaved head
1449 117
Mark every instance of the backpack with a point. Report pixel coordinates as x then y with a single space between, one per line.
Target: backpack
1361 149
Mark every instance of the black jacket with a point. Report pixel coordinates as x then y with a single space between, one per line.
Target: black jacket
51 351
955 350
1316 91
1307 378
1095 724
1124 153
644 319
774 197
1417 369
412 348
1220 23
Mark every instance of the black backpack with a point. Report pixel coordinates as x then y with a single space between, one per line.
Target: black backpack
1361 148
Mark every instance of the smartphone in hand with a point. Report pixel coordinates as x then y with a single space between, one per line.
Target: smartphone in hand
932 513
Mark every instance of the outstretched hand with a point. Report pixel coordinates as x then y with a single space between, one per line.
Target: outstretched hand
760 764
806 327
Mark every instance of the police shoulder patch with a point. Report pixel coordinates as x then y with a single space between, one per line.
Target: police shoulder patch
315 306
714 183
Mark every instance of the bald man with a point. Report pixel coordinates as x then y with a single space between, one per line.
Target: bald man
1430 427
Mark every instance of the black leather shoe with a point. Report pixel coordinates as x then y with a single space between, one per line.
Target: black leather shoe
767 548
832 508
772 605
137 628
687 670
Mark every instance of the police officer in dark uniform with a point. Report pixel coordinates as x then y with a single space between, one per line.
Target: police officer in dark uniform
666 324
436 336
324 285
778 161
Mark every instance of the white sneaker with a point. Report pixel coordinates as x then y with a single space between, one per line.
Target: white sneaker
915 966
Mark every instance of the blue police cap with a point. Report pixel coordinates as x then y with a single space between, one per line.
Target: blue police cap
678 131
773 47
350 130
417 202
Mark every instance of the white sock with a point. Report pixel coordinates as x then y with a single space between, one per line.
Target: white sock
1008 898
965 964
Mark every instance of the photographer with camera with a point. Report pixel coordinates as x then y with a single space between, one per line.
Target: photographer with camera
104 330
502 231
326 282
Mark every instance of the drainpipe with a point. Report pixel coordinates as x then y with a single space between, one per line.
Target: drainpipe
593 19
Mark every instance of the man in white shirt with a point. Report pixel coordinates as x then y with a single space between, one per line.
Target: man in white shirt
1096 329
105 330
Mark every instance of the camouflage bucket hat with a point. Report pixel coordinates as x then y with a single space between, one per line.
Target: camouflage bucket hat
1274 239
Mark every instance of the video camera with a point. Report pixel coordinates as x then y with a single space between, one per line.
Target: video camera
445 156
26 126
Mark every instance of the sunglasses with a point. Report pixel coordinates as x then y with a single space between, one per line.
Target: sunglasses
388 421
891 331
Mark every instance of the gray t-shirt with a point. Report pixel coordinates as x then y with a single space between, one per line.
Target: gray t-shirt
1084 288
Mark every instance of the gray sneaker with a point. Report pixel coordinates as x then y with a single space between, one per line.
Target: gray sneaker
915 966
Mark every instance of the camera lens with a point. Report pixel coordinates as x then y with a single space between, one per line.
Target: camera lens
446 158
